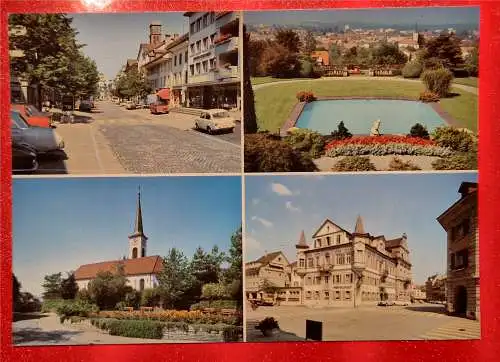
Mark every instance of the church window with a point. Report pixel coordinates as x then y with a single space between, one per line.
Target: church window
134 253
141 285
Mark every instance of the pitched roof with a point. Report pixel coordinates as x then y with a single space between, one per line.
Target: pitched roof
178 41
302 241
146 265
393 243
266 259
138 229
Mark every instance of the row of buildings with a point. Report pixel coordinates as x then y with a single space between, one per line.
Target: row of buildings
341 268
200 68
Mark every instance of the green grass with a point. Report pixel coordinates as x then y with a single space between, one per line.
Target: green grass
273 104
471 81
262 80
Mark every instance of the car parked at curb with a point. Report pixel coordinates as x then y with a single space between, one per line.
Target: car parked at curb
24 158
214 120
85 106
130 105
43 140
33 116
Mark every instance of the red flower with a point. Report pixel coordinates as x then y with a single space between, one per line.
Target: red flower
383 140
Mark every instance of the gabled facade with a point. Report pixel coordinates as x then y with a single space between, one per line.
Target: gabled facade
462 281
270 269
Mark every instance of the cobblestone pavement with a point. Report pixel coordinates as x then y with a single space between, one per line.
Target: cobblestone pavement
415 322
145 148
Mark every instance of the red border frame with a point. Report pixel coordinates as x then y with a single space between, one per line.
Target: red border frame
489 126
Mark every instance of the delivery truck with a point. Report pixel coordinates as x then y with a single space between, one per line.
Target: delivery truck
159 101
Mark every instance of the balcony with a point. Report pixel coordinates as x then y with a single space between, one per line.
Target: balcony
226 17
202 78
229 72
226 44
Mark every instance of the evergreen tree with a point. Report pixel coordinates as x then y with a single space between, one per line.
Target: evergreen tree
250 123
289 39
446 48
234 275
52 286
342 132
309 43
69 287
107 288
16 293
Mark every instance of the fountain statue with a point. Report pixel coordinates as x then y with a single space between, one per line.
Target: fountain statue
375 130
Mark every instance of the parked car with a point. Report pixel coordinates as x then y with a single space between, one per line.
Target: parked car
43 140
386 303
130 105
401 303
33 116
24 158
213 120
85 106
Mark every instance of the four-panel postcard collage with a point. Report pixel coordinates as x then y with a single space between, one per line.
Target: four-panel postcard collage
244 176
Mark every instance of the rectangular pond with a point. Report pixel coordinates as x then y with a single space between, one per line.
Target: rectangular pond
396 116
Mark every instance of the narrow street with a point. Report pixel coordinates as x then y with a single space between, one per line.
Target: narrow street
113 140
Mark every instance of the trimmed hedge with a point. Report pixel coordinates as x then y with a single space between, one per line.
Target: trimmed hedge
458 161
217 304
354 163
137 329
76 308
307 142
412 70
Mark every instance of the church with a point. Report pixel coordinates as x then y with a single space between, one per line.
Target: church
141 270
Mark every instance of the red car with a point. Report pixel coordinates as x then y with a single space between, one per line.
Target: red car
32 115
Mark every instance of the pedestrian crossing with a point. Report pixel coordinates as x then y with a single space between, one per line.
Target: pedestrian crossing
460 328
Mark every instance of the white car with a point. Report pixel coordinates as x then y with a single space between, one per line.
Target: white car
213 120
130 105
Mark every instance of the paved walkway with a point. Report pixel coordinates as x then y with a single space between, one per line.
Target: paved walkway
466 88
47 330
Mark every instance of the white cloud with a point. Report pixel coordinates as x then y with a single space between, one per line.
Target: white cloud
281 189
290 207
264 222
252 244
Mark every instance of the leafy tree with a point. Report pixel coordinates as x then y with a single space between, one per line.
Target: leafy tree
255 48
388 54
52 286
250 124
288 39
214 291
150 297
69 287
132 84
309 43
16 293
29 303
446 48
341 132
335 53
280 62
107 288
233 275
472 62
175 280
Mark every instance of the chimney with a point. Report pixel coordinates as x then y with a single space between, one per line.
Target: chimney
154 33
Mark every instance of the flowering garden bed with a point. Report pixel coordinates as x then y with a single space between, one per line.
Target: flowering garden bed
385 145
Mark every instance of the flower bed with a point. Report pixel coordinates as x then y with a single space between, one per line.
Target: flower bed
172 316
385 145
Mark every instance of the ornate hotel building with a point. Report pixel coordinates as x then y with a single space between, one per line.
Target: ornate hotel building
462 281
340 268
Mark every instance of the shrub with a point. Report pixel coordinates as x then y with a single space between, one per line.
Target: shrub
398 164
455 139
306 69
232 333
133 299
354 163
342 132
263 153
267 323
76 308
217 304
438 81
428 97
305 96
397 72
214 291
136 329
412 70
458 161
51 305
420 131
150 297
306 141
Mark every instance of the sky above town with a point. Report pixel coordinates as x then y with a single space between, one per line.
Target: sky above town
62 223
279 207
402 16
113 38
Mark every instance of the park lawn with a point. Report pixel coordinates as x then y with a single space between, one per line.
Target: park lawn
274 104
471 81
262 80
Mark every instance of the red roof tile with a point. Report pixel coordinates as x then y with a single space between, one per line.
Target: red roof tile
146 265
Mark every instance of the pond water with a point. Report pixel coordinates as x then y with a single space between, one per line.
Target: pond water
396 116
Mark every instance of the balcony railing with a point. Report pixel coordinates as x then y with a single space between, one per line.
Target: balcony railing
224 45
229 72
200 78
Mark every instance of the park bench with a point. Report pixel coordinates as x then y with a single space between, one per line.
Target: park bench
146 309
128 309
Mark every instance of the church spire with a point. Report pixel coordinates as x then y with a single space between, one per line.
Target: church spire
138 216
359 228
302 241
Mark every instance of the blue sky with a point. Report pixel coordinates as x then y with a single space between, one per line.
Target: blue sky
113 38
61 223
427 16
279 207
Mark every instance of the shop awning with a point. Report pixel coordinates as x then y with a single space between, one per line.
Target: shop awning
163 93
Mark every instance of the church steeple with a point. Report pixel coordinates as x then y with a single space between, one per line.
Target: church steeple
359 228
137 240
302 241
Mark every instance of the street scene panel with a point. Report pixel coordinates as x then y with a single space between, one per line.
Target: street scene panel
141 93
362 257
361 90
131 260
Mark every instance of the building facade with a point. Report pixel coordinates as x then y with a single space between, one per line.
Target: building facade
141 270
340 268
462 282
213 61
270 270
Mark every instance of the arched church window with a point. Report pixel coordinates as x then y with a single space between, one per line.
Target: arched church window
141 285
134 253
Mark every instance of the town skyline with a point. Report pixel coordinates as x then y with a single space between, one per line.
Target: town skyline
169 205
278 208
